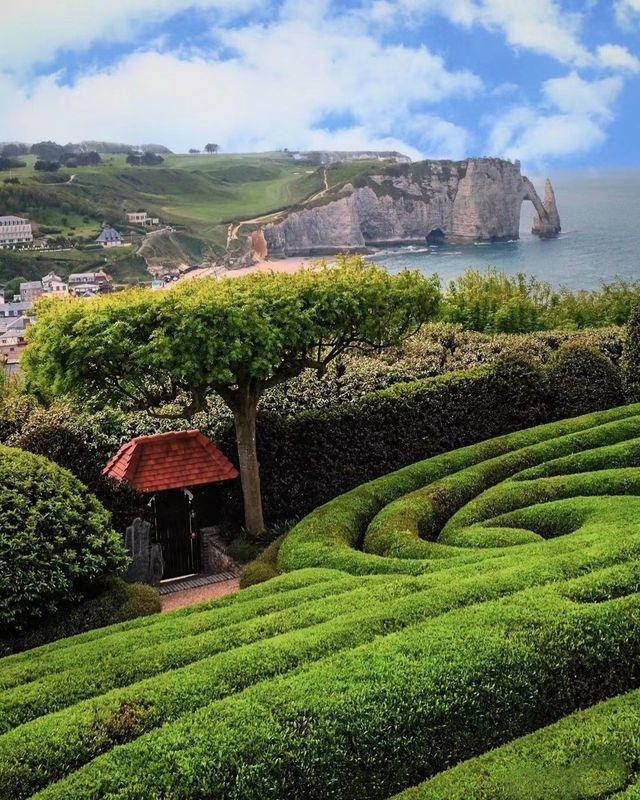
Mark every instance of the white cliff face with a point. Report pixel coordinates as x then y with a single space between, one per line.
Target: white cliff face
473 200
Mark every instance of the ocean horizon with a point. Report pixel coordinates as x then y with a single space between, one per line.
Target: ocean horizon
600 239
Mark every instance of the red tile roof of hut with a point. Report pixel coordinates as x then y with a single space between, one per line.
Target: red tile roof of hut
170 461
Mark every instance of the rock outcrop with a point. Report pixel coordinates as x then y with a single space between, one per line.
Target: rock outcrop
474 200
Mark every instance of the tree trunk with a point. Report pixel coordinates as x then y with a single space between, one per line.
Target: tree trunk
245 420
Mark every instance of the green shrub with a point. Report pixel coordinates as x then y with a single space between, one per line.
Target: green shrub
582 379
494 301
631 356
310 458
264 567
83 444
55 539
114 601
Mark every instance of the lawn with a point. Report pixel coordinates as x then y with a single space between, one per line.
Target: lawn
420 620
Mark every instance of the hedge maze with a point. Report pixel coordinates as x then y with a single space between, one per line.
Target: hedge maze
467 627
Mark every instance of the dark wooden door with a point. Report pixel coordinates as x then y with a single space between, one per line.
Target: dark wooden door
176 531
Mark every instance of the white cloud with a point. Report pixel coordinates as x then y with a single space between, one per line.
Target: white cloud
627 12
525 134
574 95
616 57
280 83
571 120
35 30
542 26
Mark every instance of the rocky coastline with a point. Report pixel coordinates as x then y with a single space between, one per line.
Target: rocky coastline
474 200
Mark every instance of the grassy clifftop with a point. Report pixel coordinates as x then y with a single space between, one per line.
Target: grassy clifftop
198 195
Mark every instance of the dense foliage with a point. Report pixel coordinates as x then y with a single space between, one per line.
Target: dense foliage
493 301
56 540
631 355
234 338
11 163
112 600
589 754
426 617
343 437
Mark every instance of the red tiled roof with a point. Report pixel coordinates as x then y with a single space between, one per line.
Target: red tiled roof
170 461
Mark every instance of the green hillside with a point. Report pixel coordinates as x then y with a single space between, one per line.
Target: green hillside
198 195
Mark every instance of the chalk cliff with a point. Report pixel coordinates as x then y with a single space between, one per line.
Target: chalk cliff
473 200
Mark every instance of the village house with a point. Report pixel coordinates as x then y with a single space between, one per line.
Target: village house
85 284
110 238
12 343
8 310
142 218
53 284
14 230
31 291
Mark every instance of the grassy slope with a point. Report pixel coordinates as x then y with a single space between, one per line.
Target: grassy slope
197 194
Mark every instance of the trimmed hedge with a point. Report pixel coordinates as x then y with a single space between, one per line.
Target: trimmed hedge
115 601
592 754
56 540
582 379
363 723
325 684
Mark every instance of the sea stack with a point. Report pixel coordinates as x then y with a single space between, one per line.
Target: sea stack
549 226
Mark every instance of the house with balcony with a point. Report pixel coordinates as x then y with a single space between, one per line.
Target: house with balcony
142 218
85 284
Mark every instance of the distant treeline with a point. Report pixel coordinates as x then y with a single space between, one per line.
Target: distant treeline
52 155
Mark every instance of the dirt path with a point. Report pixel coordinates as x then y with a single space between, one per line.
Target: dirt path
233 229
197 595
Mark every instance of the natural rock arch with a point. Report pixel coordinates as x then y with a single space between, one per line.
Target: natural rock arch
546 222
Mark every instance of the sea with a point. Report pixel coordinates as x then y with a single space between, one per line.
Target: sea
600 239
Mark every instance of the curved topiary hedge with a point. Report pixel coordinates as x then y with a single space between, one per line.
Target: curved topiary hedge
590 754
424 618
56 540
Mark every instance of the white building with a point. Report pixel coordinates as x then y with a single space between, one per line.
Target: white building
14 230
142 218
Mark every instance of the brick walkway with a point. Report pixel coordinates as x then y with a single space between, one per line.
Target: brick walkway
194 581
198 592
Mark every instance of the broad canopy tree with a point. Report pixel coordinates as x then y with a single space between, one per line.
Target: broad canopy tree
168 351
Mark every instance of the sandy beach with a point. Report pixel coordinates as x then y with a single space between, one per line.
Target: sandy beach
277 265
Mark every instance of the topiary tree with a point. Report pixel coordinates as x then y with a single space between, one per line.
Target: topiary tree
56 539
582 379
630 362
169 351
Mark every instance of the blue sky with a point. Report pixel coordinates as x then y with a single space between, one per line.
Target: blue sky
552 82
